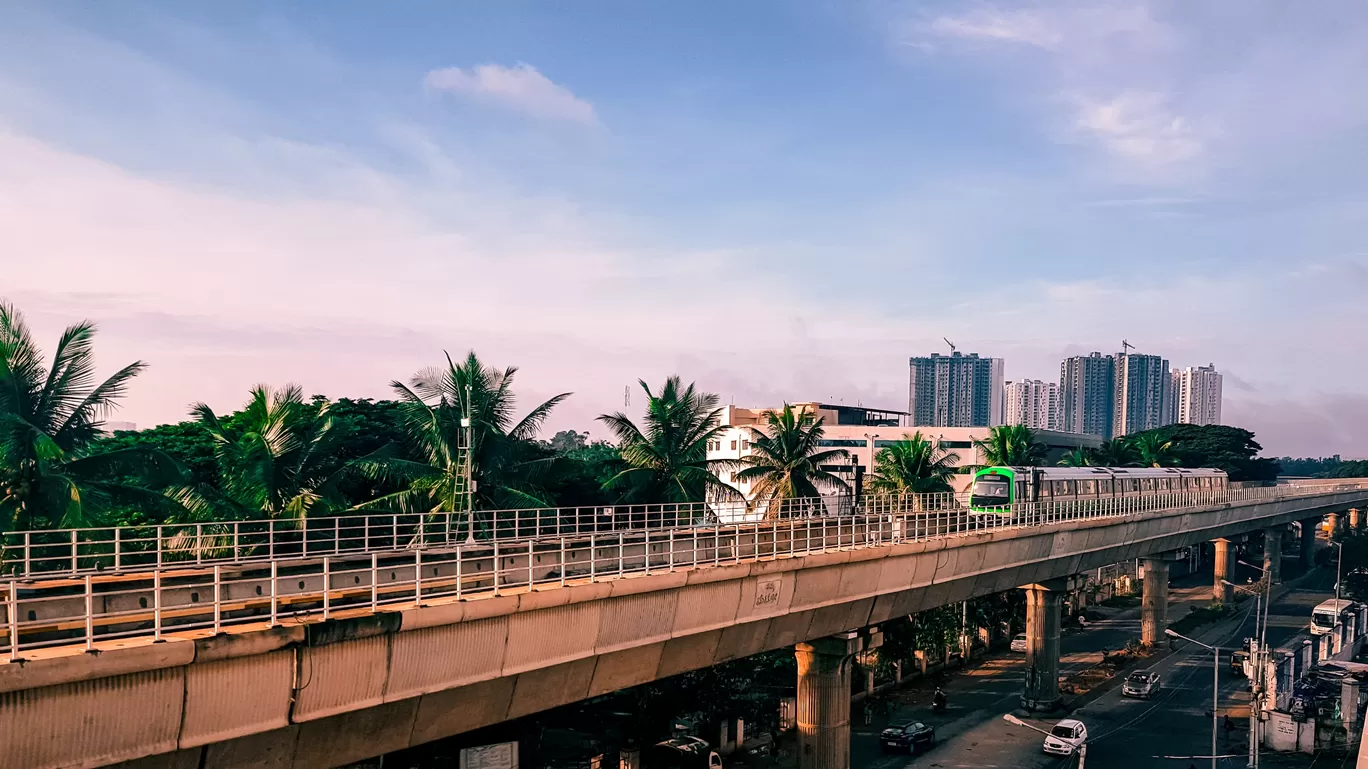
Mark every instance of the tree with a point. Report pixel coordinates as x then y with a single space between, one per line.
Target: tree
504 460
667 461
786 464
1011 446
913 464
1154 451
1117 452
278 458
1079 457
1231 449
566 441
49 417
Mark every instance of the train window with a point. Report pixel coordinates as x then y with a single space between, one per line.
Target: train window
1063 488
1104 486
1147 484
1044 489
1163 484
1087 487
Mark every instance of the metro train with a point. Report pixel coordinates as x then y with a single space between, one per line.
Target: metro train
996 489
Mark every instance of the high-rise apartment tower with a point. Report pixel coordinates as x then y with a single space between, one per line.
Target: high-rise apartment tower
955 390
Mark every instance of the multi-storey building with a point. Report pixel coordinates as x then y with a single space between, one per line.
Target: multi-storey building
1141 394
861 433
1033 403
1197 395
955 390
1087 394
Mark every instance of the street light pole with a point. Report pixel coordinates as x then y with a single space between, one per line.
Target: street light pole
1339 569
1215 685
1082 749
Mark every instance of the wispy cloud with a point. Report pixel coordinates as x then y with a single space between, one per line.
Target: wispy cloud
1138 126
997 25
522 88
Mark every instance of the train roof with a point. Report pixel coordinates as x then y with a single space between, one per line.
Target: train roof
1066 473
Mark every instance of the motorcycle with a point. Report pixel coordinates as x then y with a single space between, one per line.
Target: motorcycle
938 702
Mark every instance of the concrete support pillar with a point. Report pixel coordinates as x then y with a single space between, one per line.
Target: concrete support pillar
1273 554
1219 590
1308 543
824 699
1355 518
1331 524
1042 646
1154 601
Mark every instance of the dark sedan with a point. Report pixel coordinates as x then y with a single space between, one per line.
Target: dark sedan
907 737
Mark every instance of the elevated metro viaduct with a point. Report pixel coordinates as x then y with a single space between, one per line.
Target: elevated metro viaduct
319 693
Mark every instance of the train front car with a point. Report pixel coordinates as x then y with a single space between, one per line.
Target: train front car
994 491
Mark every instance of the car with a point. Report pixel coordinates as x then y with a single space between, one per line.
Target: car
1019 643
1141 683
1065 738
908 737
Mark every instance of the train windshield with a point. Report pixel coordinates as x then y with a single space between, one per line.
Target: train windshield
995 486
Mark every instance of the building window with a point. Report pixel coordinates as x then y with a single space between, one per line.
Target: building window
733 445
745 444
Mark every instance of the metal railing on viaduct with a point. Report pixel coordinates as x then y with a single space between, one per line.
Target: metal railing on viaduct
83 586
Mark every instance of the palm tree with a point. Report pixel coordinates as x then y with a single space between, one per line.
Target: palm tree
667 458
913 465
503 462
48 419
1079 457
1011 446
1117 452
785 462
1152 450
276 459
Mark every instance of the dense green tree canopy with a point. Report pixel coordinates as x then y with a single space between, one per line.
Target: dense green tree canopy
1217 446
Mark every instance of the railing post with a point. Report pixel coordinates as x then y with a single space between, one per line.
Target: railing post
237 541
418 576
275 581
218 599
327 585
12 614
28 553
496 560
199 544
74 567
375 580
270 538
118 549
156 604
89 616
592 557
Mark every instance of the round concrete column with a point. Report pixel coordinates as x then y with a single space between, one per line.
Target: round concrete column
1219 590
1042 648
1273 554
1331 524
1308 543
1154 601
824 703
1355 518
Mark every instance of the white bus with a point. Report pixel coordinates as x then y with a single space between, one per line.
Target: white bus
1328 614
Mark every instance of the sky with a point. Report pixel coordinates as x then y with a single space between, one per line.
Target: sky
778 200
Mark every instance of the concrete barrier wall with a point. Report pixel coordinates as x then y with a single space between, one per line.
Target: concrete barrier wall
326 693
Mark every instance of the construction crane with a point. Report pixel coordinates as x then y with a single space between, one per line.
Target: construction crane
952 345
1126 346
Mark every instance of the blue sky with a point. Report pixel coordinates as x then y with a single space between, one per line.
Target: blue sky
779 200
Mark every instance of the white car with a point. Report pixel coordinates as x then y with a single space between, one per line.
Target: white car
1066 737
1019 643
